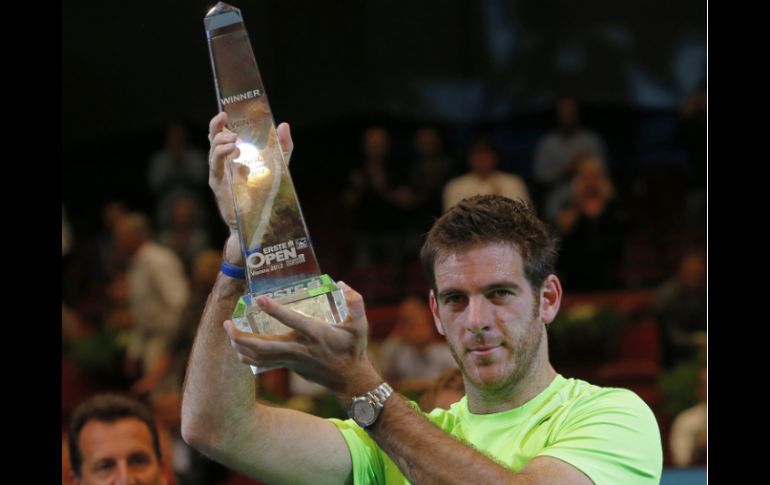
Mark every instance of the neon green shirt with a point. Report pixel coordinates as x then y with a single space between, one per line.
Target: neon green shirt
609 434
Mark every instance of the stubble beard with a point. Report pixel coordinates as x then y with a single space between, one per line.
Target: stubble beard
518 365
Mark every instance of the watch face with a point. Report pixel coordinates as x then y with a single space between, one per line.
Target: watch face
363 412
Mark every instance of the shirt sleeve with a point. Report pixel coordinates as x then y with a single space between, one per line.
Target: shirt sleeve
365 455
612 437
371 465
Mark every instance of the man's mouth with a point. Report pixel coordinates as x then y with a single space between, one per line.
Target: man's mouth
483 350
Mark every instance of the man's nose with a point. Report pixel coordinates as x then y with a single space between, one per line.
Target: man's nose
123 475
478 315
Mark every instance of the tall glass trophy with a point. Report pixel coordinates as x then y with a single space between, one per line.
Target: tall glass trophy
280 261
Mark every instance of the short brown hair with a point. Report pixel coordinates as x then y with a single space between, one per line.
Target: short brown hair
492 219
107 408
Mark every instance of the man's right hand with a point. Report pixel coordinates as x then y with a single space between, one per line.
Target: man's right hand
333 356
221 154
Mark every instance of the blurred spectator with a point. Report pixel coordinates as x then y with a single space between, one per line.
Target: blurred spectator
429 171
447 390
376 199
167 377
680 307
592 225
104 262
98 348
185 234
92 265
483 178
411 356
72 326
557 150
177 170
688 437
158 292
118 316
589 189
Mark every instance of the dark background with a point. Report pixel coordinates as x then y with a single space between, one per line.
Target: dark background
331 68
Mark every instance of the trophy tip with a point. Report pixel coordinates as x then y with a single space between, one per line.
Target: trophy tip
220 8
221 15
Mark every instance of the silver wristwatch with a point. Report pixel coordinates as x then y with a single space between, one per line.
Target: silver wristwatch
366 409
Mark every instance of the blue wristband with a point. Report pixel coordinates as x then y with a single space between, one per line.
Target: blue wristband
233 271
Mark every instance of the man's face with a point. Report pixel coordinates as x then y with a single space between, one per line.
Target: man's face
483 161
489 314
118 452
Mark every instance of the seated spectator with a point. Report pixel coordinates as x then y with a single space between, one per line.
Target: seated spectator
688 439
483 178
114 439
558 150
592 224
375 199
185 234
680 307
411 357
447 390
421 197
179 169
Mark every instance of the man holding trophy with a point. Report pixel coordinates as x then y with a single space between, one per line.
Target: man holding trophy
490 261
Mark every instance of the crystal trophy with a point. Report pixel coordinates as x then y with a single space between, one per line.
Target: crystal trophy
280 261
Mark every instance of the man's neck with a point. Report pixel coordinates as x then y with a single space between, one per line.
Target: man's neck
481 401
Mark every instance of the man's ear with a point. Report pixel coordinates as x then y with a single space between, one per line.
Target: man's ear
434 312
550 298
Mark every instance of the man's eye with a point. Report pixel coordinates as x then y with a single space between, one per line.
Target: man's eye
454 299
103 466
139 459
499 293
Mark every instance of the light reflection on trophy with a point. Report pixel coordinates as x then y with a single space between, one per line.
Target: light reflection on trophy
280 261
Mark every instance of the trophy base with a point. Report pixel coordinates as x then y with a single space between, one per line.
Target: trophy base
318 297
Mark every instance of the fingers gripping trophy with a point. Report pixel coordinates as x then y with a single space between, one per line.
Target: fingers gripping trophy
280 261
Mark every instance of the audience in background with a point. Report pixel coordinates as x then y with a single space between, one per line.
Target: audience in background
185 233
428 172
558 150
680 307
157 289
373 198
483 178
592 225
412 356
688 436
178 170
445 391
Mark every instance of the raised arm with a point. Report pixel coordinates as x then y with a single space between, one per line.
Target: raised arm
221 416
